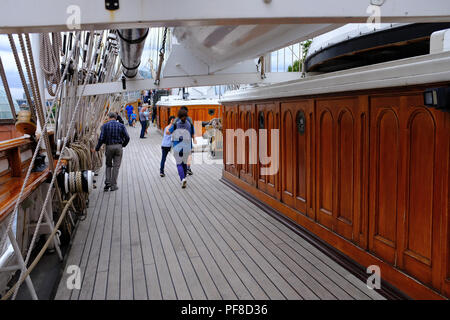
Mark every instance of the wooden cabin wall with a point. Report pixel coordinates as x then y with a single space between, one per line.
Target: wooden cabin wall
197 113
8 131
371 168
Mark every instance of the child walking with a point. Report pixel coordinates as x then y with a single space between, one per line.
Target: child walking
166 145
133 119
183 132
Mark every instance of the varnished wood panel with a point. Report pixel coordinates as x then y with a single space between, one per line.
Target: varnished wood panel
288 155
8 131
372 168
249 145
339 163
296 157
385 165
424 149
325 166
268 183
230 122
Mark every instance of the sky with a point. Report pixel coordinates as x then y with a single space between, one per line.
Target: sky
7 56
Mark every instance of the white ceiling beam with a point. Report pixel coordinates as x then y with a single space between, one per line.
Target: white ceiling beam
51 15
191 81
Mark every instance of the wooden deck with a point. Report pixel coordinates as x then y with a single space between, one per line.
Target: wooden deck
153 240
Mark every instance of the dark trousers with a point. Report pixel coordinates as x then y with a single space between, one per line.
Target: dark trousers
153 117
182 168
165 152
113 154
129 119
143 127
181 165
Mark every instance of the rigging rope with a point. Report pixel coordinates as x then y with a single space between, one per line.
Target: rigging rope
41 252
22 76
36 151
58 165
161 58
50 60
84 125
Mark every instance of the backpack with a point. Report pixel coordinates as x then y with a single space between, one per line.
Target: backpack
189 120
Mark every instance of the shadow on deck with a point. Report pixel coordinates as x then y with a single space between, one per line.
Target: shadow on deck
153 240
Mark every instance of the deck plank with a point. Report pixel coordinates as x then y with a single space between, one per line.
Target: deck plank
352 285
114 266
153 240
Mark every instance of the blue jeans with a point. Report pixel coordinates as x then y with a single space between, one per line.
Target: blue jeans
182 168
143 127
129 119
165 152
180 161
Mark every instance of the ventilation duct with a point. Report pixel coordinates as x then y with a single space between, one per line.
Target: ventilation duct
131 47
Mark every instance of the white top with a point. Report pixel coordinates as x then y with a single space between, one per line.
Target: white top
175 103
418 70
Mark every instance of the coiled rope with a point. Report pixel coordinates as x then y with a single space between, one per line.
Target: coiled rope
36 151
50 60
58 165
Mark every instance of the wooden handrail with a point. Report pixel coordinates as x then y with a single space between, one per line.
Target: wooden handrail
14 143
9 192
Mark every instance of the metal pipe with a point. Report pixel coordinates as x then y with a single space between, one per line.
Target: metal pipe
131 47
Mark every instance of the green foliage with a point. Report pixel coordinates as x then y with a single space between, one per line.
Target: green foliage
297 66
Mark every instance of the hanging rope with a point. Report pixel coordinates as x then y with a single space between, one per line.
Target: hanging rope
36 151
162 51
22 77
58 165
80 122
50 60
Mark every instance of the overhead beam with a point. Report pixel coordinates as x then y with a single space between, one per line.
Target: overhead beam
51 15
191 81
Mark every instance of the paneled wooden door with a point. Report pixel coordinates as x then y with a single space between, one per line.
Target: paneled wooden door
408 143
297 162
268 117
341 166
249 145
230 122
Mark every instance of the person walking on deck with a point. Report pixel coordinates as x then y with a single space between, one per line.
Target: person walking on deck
189 159
182 134
133 119
142 119
154 111
166 145
147 119
129 109
119 118
115 136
